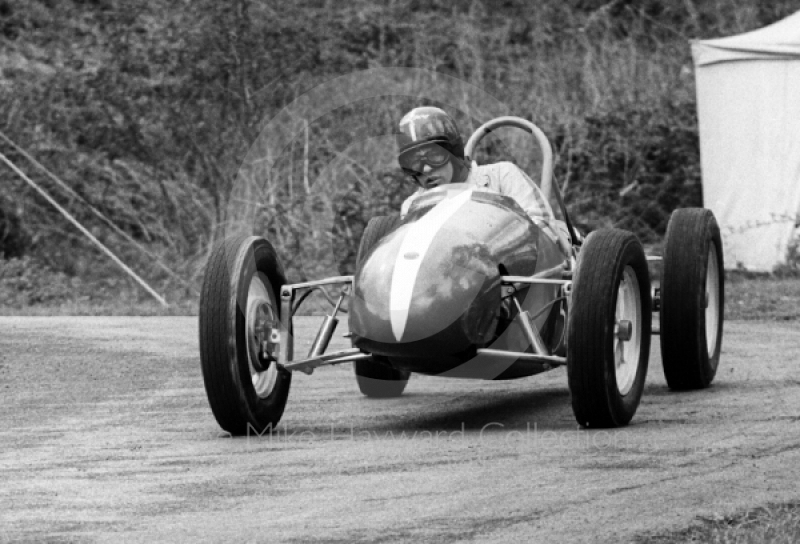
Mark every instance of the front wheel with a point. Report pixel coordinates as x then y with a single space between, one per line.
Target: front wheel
692 299
380 381
239 314
608 338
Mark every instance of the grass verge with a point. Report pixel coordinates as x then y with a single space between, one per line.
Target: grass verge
748 296
107 307
775 523
774 297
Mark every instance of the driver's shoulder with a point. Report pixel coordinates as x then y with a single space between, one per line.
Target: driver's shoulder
492 173
501 166
406 205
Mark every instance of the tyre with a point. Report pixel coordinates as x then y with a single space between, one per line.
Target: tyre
375 379
380 381
692 299
376 228
238 310
609 327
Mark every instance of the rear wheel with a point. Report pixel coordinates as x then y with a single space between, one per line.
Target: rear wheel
609 329
376 228
238 315
692 299
375 379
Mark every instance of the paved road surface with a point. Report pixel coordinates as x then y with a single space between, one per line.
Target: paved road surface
106 435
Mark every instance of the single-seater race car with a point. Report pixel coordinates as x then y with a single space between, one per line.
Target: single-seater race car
466 285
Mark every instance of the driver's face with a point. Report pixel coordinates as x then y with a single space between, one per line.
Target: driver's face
433 177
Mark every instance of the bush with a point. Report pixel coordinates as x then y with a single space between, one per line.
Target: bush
26 281
12 239
632 168
147 110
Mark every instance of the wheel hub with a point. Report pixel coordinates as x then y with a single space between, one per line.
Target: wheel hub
260 335
712 301
624 330
261 340
627 337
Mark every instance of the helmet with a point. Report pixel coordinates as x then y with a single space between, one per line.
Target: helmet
428 124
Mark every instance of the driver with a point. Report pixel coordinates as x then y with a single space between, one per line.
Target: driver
431 151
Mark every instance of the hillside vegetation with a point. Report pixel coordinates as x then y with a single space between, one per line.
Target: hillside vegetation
157 114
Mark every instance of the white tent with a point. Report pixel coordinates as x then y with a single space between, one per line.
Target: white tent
748 102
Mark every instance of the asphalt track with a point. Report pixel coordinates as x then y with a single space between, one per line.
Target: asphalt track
106 435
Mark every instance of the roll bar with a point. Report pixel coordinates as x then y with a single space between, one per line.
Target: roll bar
548 184
524 124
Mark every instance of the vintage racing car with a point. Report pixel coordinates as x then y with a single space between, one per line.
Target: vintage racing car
466 285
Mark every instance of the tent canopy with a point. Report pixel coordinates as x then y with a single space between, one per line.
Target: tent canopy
748 102
777 41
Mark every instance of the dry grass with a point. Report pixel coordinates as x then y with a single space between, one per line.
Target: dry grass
162 160
771 297
748 296
111 307
774 523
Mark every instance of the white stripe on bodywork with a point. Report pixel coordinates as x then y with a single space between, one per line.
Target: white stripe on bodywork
412 251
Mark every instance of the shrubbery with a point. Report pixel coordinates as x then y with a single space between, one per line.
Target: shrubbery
25 281
148 109
634 168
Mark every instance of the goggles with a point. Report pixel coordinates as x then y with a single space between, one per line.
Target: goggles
434 155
